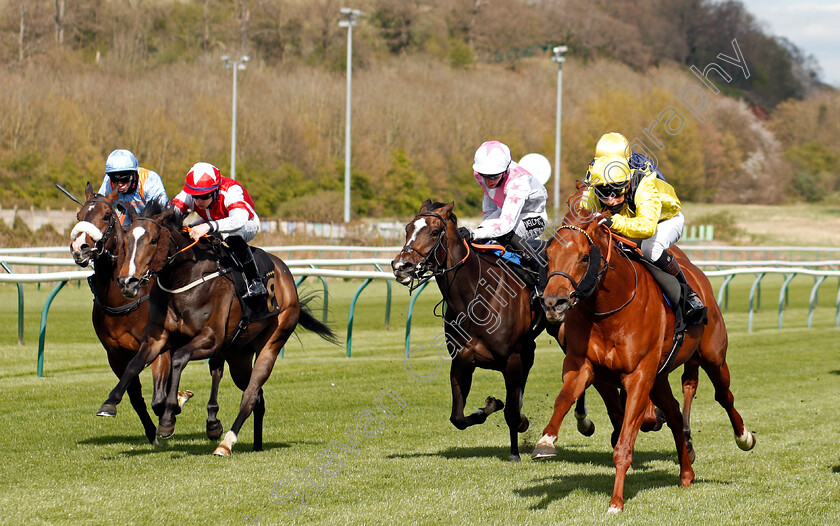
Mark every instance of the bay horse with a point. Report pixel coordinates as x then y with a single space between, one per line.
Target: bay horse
489 322
97 238
194 311
619 330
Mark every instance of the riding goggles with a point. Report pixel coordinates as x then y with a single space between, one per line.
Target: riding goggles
121 177
609 191
492 177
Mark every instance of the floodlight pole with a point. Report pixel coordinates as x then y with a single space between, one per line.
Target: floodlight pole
352 16
234 65
559 58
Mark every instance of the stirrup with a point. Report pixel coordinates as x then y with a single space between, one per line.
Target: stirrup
256 288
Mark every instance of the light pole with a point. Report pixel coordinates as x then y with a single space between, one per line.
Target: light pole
234 65
559 58
352 16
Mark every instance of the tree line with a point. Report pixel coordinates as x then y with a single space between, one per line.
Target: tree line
432 80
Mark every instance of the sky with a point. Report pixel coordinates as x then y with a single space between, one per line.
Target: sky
813 25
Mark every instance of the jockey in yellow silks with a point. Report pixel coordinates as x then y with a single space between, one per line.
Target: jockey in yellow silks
644 208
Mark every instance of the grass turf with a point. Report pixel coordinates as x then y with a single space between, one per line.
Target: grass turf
65 466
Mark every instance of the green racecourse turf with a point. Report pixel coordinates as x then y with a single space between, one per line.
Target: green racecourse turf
61 464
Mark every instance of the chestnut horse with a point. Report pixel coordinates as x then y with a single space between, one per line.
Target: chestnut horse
118 322
488 319
195 312
619 329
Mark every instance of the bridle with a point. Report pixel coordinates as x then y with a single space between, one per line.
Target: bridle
161 258
98 248
594 272
431 266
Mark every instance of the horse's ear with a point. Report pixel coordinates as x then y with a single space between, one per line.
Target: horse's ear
171 215
129 211
579 184
89 191
426 206
446 210
113 196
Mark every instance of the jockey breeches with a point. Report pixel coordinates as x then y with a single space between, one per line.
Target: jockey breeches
247 232
667 233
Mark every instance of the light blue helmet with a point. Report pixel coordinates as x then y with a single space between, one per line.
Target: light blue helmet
121 161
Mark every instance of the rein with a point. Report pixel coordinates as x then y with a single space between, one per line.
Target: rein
99 246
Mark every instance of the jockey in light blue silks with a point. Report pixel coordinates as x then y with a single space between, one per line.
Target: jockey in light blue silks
137 186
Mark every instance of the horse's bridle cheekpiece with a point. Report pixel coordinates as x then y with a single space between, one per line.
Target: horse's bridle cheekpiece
428 269
591 277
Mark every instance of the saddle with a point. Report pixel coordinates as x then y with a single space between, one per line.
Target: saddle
523 272
256 308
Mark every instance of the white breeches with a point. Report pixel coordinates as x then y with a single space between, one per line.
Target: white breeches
667 233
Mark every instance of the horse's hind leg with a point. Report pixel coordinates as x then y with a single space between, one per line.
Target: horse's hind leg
720 379
663 397
214 426
689 386
161 367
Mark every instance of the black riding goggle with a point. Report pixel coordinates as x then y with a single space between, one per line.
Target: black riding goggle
609 191
493 177
121 177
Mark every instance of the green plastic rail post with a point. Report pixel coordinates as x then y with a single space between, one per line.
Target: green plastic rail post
755 286
783 295
43 330
812 303
352 314
20 305
723 293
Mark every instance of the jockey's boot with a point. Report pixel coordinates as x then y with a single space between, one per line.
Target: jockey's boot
243 253
532 261
694 307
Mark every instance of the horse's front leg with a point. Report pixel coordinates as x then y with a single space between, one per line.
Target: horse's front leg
516 421
577 375
149 350
689 385
202 345
638 387
161 367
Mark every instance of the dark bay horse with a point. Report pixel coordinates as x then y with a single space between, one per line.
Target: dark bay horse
118 322
619 330
488 319
196 317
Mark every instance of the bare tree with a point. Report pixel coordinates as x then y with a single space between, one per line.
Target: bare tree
59 22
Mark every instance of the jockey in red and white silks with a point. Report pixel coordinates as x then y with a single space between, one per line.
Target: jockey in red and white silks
514 200
231 209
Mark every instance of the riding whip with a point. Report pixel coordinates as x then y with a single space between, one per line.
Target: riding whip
68 194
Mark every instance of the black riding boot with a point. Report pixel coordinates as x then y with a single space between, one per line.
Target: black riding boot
531 261
693 304
242 252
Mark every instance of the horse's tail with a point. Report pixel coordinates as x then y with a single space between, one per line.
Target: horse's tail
308 322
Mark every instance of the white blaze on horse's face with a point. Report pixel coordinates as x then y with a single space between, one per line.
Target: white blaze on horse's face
136 233
419 224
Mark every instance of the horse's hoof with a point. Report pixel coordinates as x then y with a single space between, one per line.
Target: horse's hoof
184 397
514 458
222 451
109 410
542 451
613 510
585 426
155 442
215 430
166 432
523 424
746 441
491 405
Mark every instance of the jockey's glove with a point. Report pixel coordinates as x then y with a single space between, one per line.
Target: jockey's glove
606 221
465 233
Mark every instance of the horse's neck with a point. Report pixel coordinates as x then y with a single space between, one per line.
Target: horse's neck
459 286
617 284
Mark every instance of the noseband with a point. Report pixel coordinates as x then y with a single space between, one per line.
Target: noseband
593 274
99 246
431 266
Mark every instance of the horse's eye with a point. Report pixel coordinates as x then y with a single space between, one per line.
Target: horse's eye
106 217
435 233
585 258
153 241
